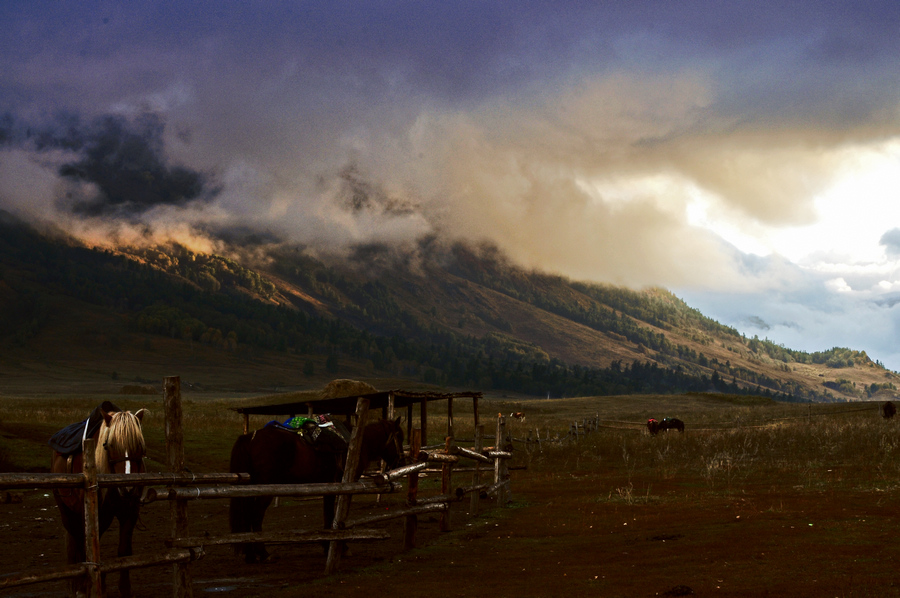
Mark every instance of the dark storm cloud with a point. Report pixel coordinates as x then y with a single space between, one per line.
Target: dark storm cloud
125 160
118 163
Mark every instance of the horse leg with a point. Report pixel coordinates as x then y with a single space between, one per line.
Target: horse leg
238 515
257 552
75 554
127 522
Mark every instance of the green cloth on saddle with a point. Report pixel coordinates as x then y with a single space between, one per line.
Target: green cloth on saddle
298 422
321 432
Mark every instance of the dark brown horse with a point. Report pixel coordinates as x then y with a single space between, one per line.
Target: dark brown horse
667 423
120 448
273 455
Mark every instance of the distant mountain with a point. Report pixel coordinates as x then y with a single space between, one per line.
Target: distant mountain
263 316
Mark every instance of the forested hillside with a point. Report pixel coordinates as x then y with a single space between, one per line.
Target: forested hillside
454 317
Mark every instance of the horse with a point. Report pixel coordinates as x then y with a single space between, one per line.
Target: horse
273 455
667 423
888 410
671 423
120 448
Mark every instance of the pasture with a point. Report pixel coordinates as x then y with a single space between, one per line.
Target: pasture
755 499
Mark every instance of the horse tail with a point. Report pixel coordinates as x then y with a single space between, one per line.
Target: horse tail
239 508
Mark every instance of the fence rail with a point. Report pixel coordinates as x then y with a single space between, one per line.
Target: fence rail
182 488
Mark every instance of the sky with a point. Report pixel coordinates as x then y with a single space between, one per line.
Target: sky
744 155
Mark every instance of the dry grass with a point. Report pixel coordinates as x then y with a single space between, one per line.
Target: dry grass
729 440
759 494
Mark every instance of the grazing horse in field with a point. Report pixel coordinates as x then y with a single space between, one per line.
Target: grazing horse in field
119 449
274 455
888 410
668 423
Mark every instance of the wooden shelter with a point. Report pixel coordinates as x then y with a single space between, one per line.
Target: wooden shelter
340 396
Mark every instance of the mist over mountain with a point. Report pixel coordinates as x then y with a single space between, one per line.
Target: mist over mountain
439 314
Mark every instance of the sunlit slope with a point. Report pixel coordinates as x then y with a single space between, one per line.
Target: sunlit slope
446 316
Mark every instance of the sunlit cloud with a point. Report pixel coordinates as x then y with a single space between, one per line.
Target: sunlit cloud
748 161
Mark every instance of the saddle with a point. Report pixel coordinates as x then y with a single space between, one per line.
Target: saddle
319 431
68 440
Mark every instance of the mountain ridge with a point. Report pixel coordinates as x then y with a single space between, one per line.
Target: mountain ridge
446 315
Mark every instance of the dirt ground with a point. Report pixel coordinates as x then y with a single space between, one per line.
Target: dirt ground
563 534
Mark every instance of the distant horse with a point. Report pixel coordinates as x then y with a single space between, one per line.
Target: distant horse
272 455
120 449
888 410
667 423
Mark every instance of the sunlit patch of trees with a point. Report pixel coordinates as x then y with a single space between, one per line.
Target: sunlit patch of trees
214 301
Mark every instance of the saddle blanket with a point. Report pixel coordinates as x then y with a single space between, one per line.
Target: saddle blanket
320 431
68 440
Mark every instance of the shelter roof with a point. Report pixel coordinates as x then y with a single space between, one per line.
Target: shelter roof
299 402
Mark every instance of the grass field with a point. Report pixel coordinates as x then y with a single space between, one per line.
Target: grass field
756 498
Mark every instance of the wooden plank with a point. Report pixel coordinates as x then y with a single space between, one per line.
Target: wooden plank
406 470
25 578
450 417
280 537
343 502
423 421
446 477
11 481
91 520
396 514
474 488
476 475
498 473
438 498
471 454
411 525
438 457
335 488
496 488
151 560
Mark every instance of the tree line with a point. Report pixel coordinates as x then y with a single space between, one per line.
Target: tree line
217 302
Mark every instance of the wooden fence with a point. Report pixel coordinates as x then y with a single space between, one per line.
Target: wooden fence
182 488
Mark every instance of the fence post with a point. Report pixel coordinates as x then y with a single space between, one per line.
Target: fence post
92 520
476 476
412 491
335 547
499 464
181 575
446 473
450 418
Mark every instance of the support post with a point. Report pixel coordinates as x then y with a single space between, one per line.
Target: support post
91 520
446 472
476 475
409 418
343 502
500 470
423 420
181 582
412 492
450 418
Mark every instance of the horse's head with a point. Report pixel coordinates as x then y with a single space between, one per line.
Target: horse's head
392 442
121 448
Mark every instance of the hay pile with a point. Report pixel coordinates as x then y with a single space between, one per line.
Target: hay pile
347 388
